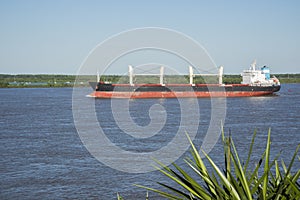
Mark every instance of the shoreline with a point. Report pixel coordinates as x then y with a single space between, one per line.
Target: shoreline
57 81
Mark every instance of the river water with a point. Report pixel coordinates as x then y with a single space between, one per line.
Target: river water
43 157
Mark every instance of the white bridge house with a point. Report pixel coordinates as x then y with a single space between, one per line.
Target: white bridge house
260 77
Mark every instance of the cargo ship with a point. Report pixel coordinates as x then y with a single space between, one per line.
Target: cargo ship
255 82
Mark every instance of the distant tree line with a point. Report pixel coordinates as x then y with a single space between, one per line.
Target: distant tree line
46 80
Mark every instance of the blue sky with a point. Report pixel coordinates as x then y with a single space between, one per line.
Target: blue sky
56 36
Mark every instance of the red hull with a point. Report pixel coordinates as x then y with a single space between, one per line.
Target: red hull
144 95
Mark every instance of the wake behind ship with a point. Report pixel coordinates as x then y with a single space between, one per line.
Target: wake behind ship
254 83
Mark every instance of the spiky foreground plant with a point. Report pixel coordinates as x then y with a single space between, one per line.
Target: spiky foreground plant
236 181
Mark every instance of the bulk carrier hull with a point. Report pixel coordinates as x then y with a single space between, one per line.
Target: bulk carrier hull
103 90
254 83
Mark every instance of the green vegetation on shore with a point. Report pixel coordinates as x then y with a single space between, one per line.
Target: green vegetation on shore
39 80
48 80
236 180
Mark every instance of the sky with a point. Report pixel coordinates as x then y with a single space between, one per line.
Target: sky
55 37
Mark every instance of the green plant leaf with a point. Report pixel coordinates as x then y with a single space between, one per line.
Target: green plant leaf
278 176
206 179
223 178
266 168
240 172
164 194
175 177
240 183
292 161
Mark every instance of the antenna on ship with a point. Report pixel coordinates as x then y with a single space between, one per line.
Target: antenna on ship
253 65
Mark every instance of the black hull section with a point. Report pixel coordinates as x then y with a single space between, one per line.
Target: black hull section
183 88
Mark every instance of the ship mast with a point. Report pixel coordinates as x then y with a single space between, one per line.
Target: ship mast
161 75
131 74
192 75
98 77
221 69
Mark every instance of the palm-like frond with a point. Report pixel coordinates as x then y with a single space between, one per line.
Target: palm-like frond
235 181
